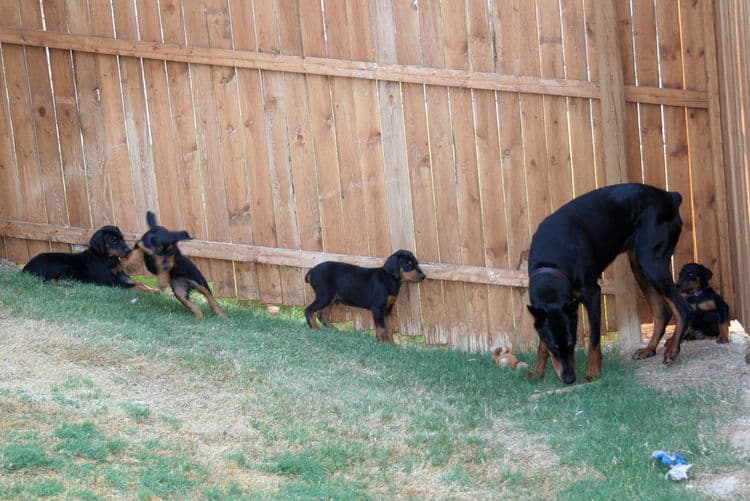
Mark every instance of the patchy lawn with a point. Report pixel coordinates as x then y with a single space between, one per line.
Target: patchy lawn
113 394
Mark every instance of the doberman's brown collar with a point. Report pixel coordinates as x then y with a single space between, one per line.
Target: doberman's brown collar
546 270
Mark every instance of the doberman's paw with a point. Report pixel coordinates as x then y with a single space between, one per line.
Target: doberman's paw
591 377
532 375
669 358
644 353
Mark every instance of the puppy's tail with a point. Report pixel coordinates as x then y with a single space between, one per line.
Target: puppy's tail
307 277
151 219
676 198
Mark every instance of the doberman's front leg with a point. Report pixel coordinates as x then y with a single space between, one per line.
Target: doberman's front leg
593 303
541 361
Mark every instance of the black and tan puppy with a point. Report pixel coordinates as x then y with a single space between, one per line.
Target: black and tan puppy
375 289
570 250
99 264
163 258
709 313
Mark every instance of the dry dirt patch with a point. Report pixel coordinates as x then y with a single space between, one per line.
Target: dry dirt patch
45 361
705 363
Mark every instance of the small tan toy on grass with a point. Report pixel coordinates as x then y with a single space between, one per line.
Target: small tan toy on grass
504 358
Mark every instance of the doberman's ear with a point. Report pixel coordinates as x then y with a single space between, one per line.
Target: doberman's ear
538 313
151 219
97 243
391 266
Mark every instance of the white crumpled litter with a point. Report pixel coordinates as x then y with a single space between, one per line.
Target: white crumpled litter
678 472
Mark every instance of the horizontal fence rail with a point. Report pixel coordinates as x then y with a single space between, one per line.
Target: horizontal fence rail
280 257
350 69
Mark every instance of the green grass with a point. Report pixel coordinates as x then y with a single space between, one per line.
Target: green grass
330 414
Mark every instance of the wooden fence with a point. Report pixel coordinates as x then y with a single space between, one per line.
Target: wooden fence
284 132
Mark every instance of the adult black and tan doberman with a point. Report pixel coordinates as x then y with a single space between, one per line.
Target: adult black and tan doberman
570 250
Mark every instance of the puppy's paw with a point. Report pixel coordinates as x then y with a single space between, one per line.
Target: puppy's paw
722 340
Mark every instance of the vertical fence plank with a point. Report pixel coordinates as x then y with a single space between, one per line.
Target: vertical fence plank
651 169
396 164
324 137
355 220
302 151
262 222
491 184
237 169
200 19
114 146
45 129
68 124
276 110
11 202
22 119
698 149
135 117
630 38
505 23
304 221
369 143
704 12
225 181
613 131
190 210
442 184
475 324
409 51
165 140
91 117
676 141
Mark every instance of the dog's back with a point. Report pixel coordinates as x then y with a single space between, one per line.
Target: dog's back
586 234
57 266
353 285
182 268
82 266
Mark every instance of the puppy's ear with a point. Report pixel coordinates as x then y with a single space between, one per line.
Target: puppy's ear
538 313
97 243
706 273
151 219
182 235
391 266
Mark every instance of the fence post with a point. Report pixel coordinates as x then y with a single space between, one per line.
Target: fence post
612 100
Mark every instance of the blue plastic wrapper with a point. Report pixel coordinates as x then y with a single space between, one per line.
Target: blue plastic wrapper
669 458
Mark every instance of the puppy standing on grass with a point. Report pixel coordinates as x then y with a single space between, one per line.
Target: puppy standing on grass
375 289
709 313
163 258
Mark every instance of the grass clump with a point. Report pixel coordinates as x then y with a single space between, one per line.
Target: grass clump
19 456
